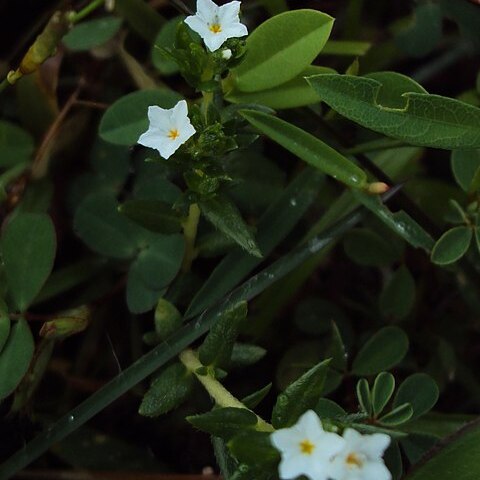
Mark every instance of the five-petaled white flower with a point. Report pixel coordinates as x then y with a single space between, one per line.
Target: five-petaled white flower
307 449
361 457
168 129
216 24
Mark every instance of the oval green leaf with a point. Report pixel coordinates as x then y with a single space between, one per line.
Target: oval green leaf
452 245
398 297
28 249
16 145
465 164
4 324
422 119
382 391
280 48
421 391
401 414
308 148
383 351
93 33
126 119
15 357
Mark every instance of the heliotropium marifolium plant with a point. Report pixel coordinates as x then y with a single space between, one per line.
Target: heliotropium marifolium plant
259 218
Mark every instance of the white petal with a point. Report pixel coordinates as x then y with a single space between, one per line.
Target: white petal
375 445
309 423
186 132
180 112
198 26
207 10
329 444
291 467
168 148
151 138
214 41
228 13
235 30
375 470
157 116
285 440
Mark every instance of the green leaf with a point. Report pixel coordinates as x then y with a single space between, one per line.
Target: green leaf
300 396
224 215
346 47
254 448
294 93
15 357
368 248
87 35
420 391
364 396
4 324
382 351
126 119
224 422
382 391
165 38
336 350
457 458
246 354
28 247
452 245
140 297
16 145
280 48
400 222
99 224
167 391
308 148
153 215
252 400
401 414
465 164
217 347
273 226
327 408
167 319
422 119
398 297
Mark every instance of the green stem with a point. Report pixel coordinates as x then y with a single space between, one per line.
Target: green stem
190 233
84 12
217 391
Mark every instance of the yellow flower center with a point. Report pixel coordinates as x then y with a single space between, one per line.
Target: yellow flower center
215 28
306 447
173 134
353 460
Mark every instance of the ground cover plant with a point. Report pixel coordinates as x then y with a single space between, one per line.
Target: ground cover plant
241 239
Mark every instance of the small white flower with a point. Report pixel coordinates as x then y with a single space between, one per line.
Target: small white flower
226 54
306 448
168 129
361 458
216 24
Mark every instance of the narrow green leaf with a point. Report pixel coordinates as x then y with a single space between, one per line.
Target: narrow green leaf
252 400
224 422
294 93
383 351
126 119
167 391
15 357
401 414
308 148
93 33
420 391
364 396
28 247
300 396
465 164
382 391
423 119
224 215
254 448
398 297
336 351
217 347
16 145
246 354
280 48
452 245
273 226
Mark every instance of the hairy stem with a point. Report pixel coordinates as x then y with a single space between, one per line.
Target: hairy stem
217 391
84 12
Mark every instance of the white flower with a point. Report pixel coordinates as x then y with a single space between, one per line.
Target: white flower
306 449
216 24
361 458
168 129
